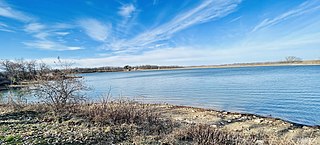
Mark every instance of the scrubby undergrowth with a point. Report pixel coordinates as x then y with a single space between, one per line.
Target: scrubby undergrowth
119 122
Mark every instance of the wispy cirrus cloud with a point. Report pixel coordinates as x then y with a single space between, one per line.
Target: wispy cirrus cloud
39 31
95 29
206 11
44 36
306 7
50 45
62 33
5 28
7 11
34 27
126 10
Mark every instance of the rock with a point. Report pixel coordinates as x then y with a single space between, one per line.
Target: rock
189 121
229 121
237 115
260 142
108 129
305 127
244 118
214 126
225 113
258 120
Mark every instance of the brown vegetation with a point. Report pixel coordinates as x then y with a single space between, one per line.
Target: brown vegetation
118 122
60 89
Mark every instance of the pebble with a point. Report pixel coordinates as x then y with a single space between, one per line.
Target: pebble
225 113
305 127
214 126
260 142
258 120
237 116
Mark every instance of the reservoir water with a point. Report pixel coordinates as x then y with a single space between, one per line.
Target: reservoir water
288 92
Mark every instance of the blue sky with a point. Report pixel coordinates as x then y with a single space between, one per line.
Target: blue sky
161 32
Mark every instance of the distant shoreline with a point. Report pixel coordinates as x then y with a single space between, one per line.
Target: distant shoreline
256 65
234 65
240 65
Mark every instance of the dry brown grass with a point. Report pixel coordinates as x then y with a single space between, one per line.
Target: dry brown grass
206 135
131 122
147 121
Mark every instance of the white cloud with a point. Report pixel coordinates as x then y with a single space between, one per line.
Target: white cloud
172 56
267 51
45 35
208 10
95 29
127 10
41 35
235 19
8 12
62 33
41 32
50 45
60 26
306 7
3 25
34 27
5 28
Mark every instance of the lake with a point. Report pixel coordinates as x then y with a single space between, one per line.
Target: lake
288 92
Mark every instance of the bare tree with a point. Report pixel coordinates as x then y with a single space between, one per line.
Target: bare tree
60 87
19 70
292 59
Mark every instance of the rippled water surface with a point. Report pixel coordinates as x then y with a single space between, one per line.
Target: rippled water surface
288 92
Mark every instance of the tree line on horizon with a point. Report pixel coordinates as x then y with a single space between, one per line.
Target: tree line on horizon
20 70
125 68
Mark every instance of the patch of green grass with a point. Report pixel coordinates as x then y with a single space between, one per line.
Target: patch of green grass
4 129
12 139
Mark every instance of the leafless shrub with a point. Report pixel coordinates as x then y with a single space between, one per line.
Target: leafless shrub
120 112
205 135
60 88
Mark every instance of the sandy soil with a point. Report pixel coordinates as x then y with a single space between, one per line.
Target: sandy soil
245 123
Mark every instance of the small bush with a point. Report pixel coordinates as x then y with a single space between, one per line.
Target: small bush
146 120
205 135
60 89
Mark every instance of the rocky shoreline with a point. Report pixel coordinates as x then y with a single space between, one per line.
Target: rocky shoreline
234 121
38 125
